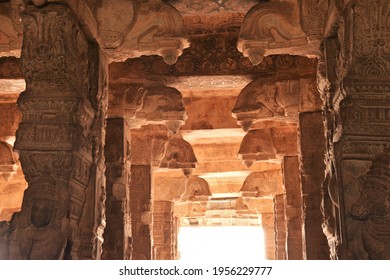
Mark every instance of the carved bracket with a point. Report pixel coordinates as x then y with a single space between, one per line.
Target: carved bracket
268 144
260 184
196 189
267 99
8 161
178 154
144 105
275 27
134 28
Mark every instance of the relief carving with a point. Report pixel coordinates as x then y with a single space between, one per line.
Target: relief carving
268 144
53 54
135 28
8 161
39 233
371 44
178 154
10 30
371 212
144 105
260 184
266 99
196 189
274 27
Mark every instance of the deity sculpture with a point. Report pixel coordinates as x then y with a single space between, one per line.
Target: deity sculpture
40 237
371 232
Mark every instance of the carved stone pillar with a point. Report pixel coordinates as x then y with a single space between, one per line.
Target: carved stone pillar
117 234
312 153
280 228
163 231
293 207
140 200
267 220
60 140
355 78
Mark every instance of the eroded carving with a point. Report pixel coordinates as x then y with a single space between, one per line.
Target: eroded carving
8 161
371 238
196 189
268 144
10 30
259 184
274 27
265 99
39 233
135 28
178 154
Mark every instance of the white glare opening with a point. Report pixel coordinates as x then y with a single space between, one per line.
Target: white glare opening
222 243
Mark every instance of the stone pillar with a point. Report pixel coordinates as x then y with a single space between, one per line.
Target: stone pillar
117 234
293 207
312 154
60 140
267 220
355 82
280 227
163 231
140 200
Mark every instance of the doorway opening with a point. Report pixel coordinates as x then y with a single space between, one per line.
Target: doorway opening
221 243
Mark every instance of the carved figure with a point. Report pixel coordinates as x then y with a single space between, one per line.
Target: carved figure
196 189
262 99
142 27
42 238
270 25
371 236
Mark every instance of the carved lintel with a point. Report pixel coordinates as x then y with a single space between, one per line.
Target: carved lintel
274 27
134 28
178 154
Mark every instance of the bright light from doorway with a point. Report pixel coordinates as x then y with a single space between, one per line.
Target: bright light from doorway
222 243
